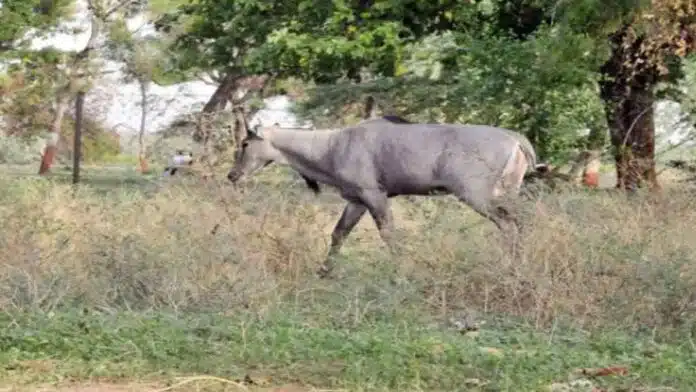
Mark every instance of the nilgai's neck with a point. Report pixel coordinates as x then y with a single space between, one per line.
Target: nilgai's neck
306 151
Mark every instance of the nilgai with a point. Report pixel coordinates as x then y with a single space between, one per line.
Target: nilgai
377 159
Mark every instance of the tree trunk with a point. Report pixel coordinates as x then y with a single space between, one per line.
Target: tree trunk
633 138
54 134
217 102
63 96
370 109
143 123
629 100
77 137
230 87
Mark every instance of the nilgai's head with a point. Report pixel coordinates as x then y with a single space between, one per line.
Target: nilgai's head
256 153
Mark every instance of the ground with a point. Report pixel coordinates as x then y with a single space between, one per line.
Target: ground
86 387
137 387
121 286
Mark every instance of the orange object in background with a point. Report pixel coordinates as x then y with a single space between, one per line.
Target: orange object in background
590 179
590 176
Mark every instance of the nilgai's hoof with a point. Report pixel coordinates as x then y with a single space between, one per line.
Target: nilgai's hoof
324 272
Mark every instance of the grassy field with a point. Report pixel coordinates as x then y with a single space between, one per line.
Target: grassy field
120 285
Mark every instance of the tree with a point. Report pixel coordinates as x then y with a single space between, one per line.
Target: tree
77 73
142 57
645 50
353 41
20 21
19 17
214 39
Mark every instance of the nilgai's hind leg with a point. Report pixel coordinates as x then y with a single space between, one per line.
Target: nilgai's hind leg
502 216
509 225
499 204
349 218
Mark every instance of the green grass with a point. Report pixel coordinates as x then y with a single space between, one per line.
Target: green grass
105 178
398 354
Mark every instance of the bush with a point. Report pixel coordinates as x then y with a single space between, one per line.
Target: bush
19 151
98 144
591 260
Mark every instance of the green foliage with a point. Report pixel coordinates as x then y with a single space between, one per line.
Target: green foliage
346 38
17 17
688 85
98 144
143 56
19 151
212 35
28 91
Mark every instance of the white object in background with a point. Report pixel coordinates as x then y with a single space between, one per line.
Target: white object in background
180 160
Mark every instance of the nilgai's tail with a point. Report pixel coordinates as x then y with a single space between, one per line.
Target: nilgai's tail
527 149
529 153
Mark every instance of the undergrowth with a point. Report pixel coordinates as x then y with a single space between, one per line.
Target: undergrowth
129 280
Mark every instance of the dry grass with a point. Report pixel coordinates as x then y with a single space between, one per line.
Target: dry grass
122 280
591 259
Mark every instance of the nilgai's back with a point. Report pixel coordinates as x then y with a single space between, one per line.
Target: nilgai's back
415 158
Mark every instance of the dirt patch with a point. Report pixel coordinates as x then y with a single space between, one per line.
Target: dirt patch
86 387
144 387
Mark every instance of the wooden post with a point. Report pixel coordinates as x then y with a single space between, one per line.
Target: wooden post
77 140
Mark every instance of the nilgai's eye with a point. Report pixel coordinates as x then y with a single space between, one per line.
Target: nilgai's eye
245 144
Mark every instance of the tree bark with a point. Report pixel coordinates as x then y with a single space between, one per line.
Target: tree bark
229 86
369 108
633 138
222 95
217 102
629 100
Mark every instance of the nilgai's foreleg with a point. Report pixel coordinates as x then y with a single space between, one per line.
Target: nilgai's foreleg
378 205
349 218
